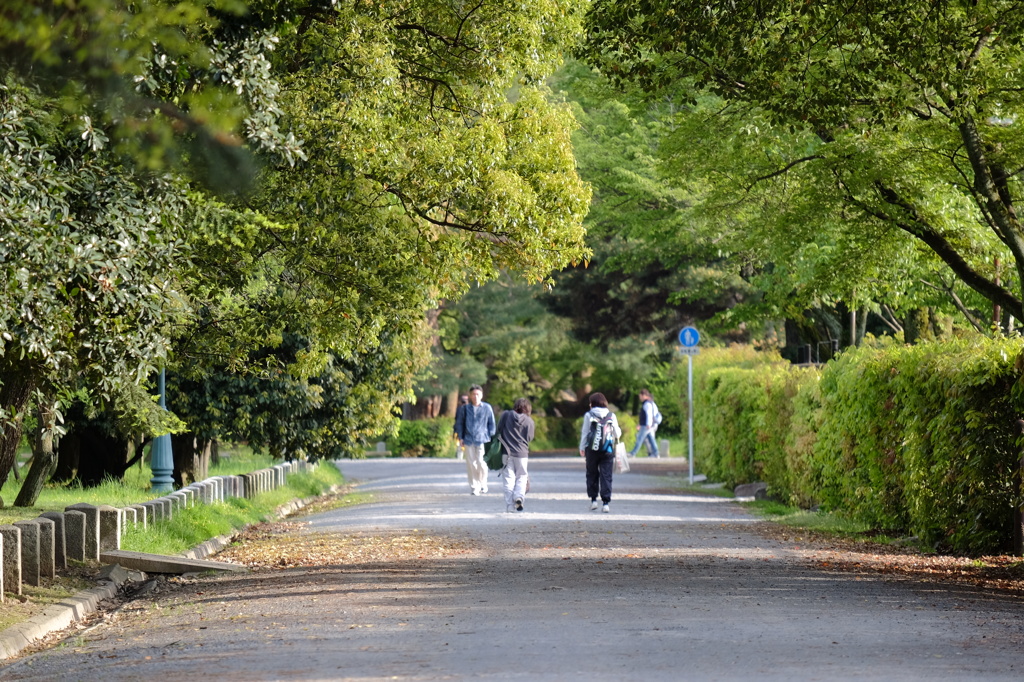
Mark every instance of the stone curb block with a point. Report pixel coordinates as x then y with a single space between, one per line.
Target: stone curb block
57 617
15 639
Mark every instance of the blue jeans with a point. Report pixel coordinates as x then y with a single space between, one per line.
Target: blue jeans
645 434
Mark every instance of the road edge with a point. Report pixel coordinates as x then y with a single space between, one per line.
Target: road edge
70 610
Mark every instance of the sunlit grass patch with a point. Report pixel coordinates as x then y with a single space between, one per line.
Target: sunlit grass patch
194 525
822 522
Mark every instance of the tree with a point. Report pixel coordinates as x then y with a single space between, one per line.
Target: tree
431 160
655 265
423 174
907 112
86 252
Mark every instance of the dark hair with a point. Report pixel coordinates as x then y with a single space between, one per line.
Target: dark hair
463 399
476 387
522 406
598 400
645 392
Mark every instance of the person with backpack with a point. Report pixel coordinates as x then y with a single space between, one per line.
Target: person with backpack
650 417
515 431
598 436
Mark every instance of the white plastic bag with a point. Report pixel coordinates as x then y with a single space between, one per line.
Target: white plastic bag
621 461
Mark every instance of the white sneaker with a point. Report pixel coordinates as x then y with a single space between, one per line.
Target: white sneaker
510 507
605 509
474 491
593 505
519 504
484 491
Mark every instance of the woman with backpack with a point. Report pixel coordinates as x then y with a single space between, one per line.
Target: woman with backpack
598 436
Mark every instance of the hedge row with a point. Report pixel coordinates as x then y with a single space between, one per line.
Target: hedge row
918 439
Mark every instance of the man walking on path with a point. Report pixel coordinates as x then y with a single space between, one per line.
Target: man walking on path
650 417
474 427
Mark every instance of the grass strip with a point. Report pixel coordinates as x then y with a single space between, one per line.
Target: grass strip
194 525
817 521
134 488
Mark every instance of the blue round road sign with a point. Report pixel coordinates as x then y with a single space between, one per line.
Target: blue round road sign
689 337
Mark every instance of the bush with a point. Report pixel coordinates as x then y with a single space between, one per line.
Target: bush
922 438
423 438
913 439
554 433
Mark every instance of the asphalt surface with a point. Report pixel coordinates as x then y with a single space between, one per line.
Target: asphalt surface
666 587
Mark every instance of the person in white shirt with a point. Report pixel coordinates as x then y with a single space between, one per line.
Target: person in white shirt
650 417
600 460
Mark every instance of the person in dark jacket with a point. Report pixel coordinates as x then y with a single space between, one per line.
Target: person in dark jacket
515 432
460 449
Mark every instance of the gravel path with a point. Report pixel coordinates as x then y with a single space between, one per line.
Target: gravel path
426 582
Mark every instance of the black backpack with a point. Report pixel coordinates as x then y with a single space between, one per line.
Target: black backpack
602 435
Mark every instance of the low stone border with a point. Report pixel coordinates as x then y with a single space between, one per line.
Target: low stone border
214 545
15 639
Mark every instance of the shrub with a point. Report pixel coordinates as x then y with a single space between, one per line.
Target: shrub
423 438
922 439
916 439
554 433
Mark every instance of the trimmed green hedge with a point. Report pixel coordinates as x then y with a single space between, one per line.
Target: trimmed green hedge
911 439
423 438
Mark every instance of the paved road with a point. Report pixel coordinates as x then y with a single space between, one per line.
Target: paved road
666 587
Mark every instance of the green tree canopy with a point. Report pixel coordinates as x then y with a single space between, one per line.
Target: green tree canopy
897 120
399 154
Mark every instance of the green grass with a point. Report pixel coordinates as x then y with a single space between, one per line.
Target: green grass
134 488
821 522
194 525
60 588
188 528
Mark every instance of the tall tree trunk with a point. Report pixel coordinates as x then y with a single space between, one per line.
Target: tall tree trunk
44 459
183 446
449 404
191 458
425 407
17 381
862 324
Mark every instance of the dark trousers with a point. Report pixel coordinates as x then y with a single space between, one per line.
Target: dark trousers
599 471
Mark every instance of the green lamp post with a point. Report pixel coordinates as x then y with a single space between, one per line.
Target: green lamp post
161 459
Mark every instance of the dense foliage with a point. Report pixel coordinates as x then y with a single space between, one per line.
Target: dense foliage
891 130
367 161
921 439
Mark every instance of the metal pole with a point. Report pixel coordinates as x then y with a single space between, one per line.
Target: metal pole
161 459
689 404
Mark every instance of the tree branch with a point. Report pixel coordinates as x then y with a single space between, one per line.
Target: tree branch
783 170
918 227
947 289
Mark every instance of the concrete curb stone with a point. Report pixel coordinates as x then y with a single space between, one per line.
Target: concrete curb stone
15 639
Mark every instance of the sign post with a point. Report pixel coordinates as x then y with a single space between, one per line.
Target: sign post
689 337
